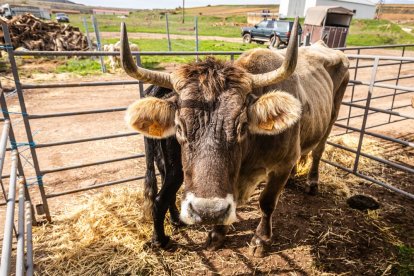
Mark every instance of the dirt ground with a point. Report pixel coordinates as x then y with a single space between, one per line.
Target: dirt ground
313 235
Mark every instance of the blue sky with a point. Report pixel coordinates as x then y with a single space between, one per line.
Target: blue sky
167 4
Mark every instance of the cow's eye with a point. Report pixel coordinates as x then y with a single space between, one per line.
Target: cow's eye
243 129
179 129
179 133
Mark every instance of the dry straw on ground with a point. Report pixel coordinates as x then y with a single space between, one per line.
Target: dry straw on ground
104 234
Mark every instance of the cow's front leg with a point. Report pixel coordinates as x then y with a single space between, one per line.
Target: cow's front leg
165 199
216 237
267 201
175 214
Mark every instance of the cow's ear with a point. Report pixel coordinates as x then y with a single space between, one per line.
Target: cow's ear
152 117
273 113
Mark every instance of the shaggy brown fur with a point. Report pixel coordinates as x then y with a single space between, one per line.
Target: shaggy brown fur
274 112
211 77
151 116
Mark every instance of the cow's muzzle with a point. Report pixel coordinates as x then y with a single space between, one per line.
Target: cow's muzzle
196 210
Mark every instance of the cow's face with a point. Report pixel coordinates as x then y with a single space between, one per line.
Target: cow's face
213 116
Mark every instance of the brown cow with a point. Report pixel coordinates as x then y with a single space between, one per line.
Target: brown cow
242 123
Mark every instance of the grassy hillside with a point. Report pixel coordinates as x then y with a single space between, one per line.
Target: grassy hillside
227 10
377 32
226 21
154 22
87 66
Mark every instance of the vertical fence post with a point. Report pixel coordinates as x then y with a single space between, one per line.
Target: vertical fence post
3 144
141 84
88 38
307 39
196 34
8 227
20 267
26 122
168 31
98 42
29 242
366 111
396 84
353 91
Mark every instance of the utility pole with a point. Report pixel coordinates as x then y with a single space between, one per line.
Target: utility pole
183 10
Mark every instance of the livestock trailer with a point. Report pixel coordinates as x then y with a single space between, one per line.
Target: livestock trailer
329 23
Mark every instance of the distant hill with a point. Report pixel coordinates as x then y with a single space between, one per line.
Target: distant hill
409 2
225 10
62 1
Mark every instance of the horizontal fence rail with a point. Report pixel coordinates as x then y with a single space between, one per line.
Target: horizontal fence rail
17 180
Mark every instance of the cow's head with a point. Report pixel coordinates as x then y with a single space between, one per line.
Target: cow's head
213 116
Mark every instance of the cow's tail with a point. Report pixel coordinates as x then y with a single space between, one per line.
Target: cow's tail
150 184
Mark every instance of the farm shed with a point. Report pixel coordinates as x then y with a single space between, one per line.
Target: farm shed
363 9
110 12
65 11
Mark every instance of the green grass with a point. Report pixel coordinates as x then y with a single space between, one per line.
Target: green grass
365 32
183 45
92 67
406 261
362 32
154 22
81 67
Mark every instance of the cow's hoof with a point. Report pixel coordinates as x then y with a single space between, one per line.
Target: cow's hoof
291 182
175 218
312 188
177 223
215 240
258 247
165 244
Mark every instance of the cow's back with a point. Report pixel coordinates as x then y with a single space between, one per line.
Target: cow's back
318 75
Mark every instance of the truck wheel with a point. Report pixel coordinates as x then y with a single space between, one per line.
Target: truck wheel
247 38
275 42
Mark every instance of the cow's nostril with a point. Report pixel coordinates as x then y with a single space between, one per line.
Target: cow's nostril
191 208
209 213
223 212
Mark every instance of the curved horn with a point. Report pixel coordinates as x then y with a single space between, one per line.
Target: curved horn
158 78
288 66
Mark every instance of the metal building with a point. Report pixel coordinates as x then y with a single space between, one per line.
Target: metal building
363 9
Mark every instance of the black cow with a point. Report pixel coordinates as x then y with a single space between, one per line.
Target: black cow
166 153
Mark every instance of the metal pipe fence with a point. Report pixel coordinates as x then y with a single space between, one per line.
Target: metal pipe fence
377 88
23 234
352 104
